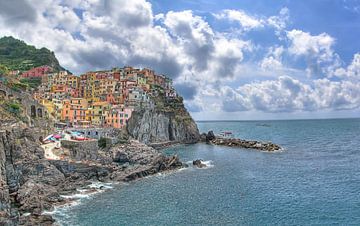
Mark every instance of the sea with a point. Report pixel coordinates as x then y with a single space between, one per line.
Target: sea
313 180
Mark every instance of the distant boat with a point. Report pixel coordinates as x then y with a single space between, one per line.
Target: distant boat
227 134
265 125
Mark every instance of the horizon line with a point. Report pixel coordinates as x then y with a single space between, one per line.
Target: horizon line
253 120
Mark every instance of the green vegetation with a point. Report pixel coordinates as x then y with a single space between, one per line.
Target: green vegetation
102 142
13 107
3 70
17 55
17 86
31 82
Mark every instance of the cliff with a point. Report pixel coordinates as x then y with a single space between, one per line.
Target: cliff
26 178
154 126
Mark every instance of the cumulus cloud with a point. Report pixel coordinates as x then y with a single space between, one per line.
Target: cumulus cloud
250 22
318 50
352 72
246 21
194 34
273 59
287 95
17 12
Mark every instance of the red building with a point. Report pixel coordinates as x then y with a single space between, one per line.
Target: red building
37 72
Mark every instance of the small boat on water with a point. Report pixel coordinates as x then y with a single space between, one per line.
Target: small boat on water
227 134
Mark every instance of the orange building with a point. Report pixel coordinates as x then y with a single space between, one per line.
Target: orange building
67 114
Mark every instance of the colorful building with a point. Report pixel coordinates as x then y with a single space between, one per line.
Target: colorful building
37 72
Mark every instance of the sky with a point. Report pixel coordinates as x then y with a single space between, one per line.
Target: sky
230 60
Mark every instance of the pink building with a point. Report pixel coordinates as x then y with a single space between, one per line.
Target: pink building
118 117
37 72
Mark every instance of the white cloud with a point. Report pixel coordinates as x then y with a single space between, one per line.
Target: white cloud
250 22
280 21
352 72
273 59
303 43
246 21
287 95
317 50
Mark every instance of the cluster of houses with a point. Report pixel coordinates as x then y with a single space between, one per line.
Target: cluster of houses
100 98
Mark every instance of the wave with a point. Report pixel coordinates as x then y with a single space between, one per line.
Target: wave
60 212
208 163
100 185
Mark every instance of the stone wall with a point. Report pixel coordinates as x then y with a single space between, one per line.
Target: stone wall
81 150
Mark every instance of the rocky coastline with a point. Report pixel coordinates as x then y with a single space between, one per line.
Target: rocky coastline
31 184
210 138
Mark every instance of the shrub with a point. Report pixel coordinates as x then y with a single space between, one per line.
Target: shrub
102 142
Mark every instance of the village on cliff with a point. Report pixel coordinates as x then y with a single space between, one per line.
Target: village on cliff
98 99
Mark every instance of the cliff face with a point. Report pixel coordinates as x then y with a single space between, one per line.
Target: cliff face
153 126
25 176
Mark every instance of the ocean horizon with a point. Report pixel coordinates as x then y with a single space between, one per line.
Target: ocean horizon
314 180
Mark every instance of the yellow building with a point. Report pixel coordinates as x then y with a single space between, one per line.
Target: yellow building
73 81
98 112
50 107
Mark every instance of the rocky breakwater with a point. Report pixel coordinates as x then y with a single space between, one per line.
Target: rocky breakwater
210 138
31 184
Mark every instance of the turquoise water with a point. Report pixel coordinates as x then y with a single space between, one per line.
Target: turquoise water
314 181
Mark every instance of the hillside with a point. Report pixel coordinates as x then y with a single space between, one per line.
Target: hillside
17 55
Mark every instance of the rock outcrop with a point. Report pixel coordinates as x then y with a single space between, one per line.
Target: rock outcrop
26 178
198 163
154 126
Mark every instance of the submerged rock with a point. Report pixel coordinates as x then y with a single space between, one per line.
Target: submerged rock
210 136
198 163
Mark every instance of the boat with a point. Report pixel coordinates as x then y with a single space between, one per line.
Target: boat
57 136
227 134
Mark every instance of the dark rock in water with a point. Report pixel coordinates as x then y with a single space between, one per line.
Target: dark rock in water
198 163
210 136
203 137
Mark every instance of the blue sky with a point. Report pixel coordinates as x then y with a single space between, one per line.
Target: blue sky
233 60
338 18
